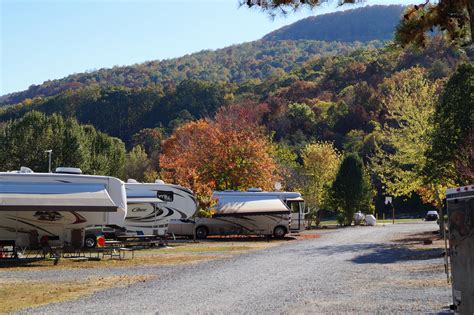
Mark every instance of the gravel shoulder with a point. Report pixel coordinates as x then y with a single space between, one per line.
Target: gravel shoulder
356 270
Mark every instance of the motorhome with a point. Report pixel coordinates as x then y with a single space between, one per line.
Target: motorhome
152 206
57 205
252 212
460 212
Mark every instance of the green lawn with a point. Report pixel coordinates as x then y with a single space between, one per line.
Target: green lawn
380 221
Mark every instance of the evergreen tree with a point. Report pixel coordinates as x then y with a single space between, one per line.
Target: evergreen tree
25 140
450 155
351 191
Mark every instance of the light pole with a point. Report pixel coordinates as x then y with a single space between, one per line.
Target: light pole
49 159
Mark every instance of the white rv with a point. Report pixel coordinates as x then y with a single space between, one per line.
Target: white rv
151 206
246 213
58 205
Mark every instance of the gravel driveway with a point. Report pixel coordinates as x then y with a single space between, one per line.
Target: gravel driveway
356 270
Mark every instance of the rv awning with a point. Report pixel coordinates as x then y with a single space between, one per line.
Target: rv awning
55 197
252 207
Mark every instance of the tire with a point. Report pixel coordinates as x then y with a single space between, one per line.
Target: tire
90 241
279 232
201 232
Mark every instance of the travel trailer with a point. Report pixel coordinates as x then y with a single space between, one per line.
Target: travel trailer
152 206
57 205
252 212
460 211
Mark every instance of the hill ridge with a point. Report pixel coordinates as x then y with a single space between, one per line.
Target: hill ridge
257 60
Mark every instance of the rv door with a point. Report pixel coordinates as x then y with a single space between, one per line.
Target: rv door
297 214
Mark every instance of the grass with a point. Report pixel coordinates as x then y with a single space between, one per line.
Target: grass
379 221
173 255
16 295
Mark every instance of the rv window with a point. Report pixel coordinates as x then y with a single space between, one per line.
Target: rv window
166 196
301 206
294 206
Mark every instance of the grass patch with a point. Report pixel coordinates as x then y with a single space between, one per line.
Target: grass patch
17 295
177 254
379 221
164 259
387 221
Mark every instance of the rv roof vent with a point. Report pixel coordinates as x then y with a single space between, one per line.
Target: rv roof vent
68 170
254 190
159 181
25 169
132 181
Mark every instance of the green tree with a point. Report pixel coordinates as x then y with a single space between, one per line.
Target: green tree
24 141
321 162
409 98
450 155
137 164
351 190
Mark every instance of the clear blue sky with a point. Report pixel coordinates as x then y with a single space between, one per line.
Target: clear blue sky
49 39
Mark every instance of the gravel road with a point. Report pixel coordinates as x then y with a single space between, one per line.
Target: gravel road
355 270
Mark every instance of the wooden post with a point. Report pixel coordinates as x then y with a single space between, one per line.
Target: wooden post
393 214
383 220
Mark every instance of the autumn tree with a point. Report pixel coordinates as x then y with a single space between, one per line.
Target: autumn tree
229 152
455 17
321 162
409 98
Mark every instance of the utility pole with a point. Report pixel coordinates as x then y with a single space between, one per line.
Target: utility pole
49 159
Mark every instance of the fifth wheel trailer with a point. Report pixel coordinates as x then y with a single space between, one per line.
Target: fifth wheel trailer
152 206
57 205
460 210
252 212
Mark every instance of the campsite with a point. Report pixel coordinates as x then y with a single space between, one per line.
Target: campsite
312 270
237 156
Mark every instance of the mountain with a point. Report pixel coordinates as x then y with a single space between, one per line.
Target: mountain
362 24
279 52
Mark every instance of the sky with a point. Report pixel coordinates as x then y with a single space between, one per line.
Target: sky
50 39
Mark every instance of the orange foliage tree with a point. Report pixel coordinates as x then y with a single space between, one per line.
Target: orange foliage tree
230 152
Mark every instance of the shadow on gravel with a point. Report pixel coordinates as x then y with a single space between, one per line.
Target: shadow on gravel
380 253
397 254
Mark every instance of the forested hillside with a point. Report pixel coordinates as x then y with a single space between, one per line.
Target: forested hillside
363 24
332 98
256 60
279 52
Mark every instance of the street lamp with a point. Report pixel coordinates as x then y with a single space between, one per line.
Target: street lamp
49 159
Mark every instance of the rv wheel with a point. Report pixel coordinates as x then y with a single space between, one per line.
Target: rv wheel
201 232
90 241
279 232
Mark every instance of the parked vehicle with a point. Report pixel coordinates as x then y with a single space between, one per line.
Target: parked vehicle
153 205
432 216
252 212
460 211
58 205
